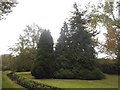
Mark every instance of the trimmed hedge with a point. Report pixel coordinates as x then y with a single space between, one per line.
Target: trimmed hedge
29 84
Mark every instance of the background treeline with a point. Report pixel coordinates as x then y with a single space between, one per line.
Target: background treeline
73 56
109 66
23 53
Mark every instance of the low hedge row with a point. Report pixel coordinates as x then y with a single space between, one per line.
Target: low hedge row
29 84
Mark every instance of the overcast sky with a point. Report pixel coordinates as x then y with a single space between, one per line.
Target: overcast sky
48 14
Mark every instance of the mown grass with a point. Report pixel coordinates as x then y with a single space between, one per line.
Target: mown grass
111 81
8 83
0 80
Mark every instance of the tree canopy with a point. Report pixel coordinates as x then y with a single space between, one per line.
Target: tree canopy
24 50
105 14
6 7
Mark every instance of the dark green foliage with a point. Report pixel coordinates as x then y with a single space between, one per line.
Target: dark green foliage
75 50
95 74
61 62
62 44
109 66
64 74
44 64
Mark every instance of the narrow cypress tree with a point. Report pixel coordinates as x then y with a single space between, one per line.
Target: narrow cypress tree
43 66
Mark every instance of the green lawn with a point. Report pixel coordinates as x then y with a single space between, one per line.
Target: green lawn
0 80
111 81
7 82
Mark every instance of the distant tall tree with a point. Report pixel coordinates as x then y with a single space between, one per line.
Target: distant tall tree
31 35
28 39
105 14
43 65
6 7
24 57
118 38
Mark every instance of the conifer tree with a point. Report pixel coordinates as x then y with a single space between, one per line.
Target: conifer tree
79 57
43 66
62 47
62 41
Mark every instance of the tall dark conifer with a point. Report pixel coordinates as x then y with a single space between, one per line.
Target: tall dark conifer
62 47
81 44
62 41
79 57
43 66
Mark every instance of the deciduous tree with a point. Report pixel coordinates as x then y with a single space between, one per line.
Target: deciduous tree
6 7
25 49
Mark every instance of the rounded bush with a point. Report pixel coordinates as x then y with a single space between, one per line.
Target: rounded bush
86 74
